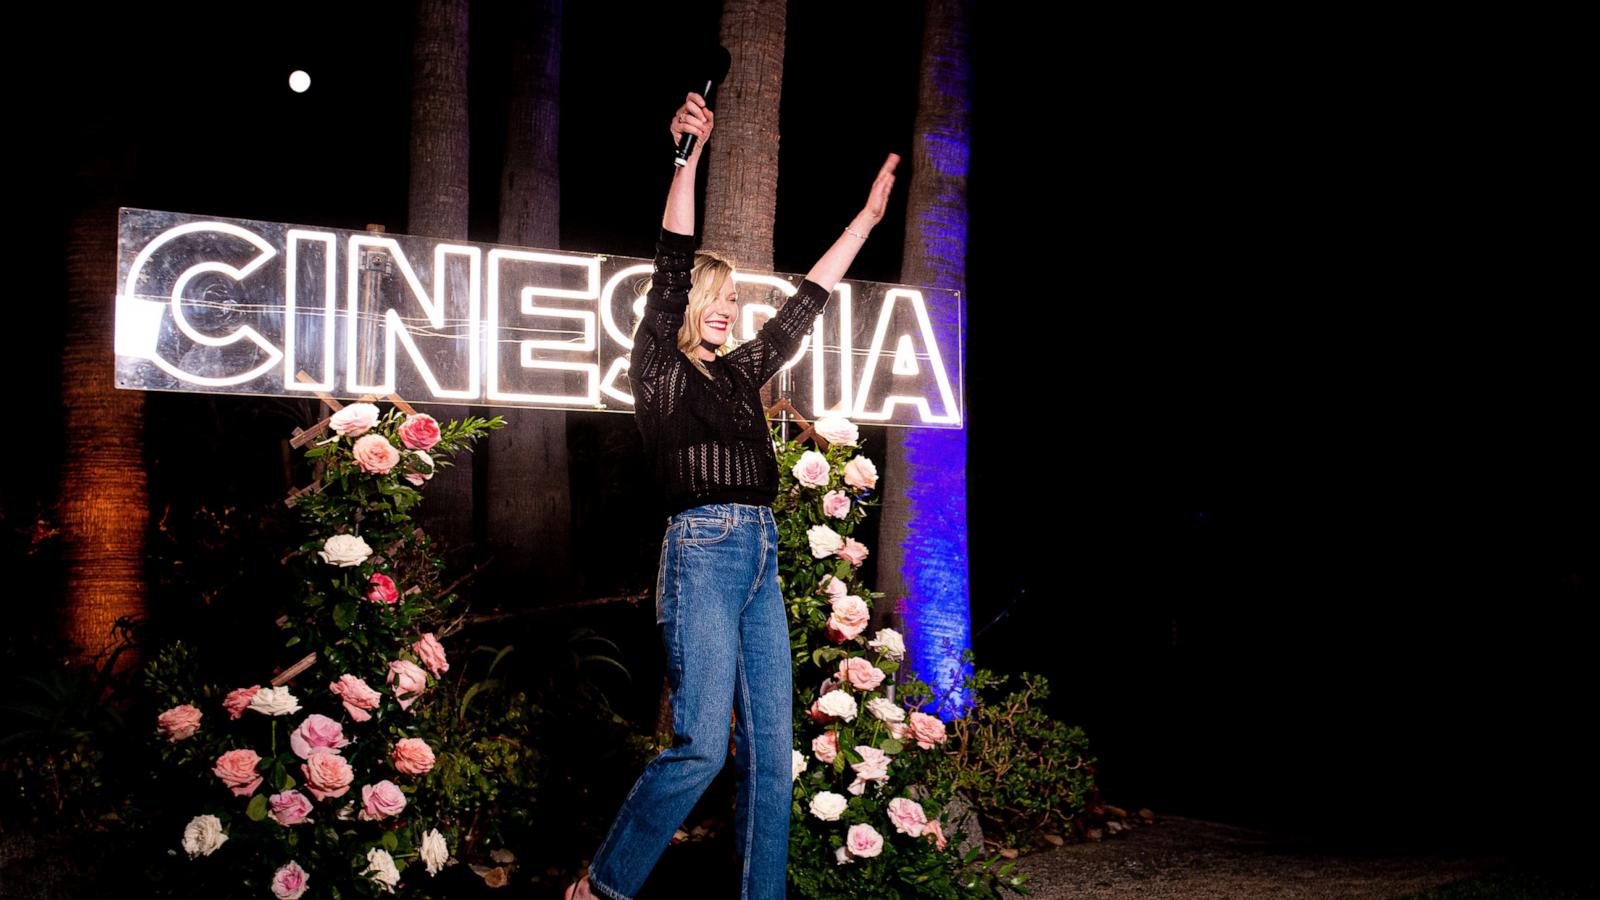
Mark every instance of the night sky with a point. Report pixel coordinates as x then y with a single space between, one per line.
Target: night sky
1294 512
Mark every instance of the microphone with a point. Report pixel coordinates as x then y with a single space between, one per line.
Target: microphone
718 64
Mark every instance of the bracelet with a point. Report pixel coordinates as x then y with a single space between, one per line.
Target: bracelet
857 234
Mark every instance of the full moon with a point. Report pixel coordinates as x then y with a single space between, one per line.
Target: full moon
299 81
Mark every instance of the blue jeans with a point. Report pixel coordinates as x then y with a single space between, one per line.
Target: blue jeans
726 634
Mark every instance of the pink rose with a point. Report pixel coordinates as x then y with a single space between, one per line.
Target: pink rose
812 470
357 695
860 473
850 617
408 681
897 730
317 732
863 840
413 756
238 701
419 432
834 587
237 769
327 774
937 831
907 816
417 478
431 652
289 807
374 454
874 766
381 800
854 551
383 589
860 672
289 882
354 419
825 746
179 722
836 504
926 730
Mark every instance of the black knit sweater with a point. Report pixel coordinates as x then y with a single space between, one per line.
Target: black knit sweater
708 437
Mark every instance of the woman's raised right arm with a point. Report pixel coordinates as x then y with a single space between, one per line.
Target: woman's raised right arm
695 118
656 341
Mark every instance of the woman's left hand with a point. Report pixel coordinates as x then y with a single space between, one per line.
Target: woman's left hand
878 198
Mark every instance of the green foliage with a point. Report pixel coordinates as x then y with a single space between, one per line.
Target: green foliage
1025 772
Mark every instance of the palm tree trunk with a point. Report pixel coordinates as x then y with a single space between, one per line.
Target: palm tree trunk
103 506
922 538
530 508
438 208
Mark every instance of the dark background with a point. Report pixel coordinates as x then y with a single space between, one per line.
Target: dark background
1280 483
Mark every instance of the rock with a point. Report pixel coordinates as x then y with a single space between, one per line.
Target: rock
959 820
1147 815
1094 834
1008 852
1114 827
1117 811
1055 839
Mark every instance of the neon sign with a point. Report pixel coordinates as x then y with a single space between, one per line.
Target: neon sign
248 307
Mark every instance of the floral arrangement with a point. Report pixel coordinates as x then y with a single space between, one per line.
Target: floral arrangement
866 818
328 785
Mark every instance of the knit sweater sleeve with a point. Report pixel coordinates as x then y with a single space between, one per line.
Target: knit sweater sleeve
653 370
762 356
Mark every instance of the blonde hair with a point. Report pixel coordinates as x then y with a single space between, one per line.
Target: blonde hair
710 272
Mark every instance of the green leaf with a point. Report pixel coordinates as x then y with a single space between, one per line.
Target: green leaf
257 810
477 688
389 841
890 745
343 614
292 641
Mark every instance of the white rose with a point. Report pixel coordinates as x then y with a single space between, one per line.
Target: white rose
345 550
354 419
203 835
812 469
828 806
889 642
885 710
842 856
861 473
380 865
824 541
798 766
838 704
838 430
274 701
433 851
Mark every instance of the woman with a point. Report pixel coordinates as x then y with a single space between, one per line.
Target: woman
724 625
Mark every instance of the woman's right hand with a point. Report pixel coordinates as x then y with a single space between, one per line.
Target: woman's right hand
695 118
